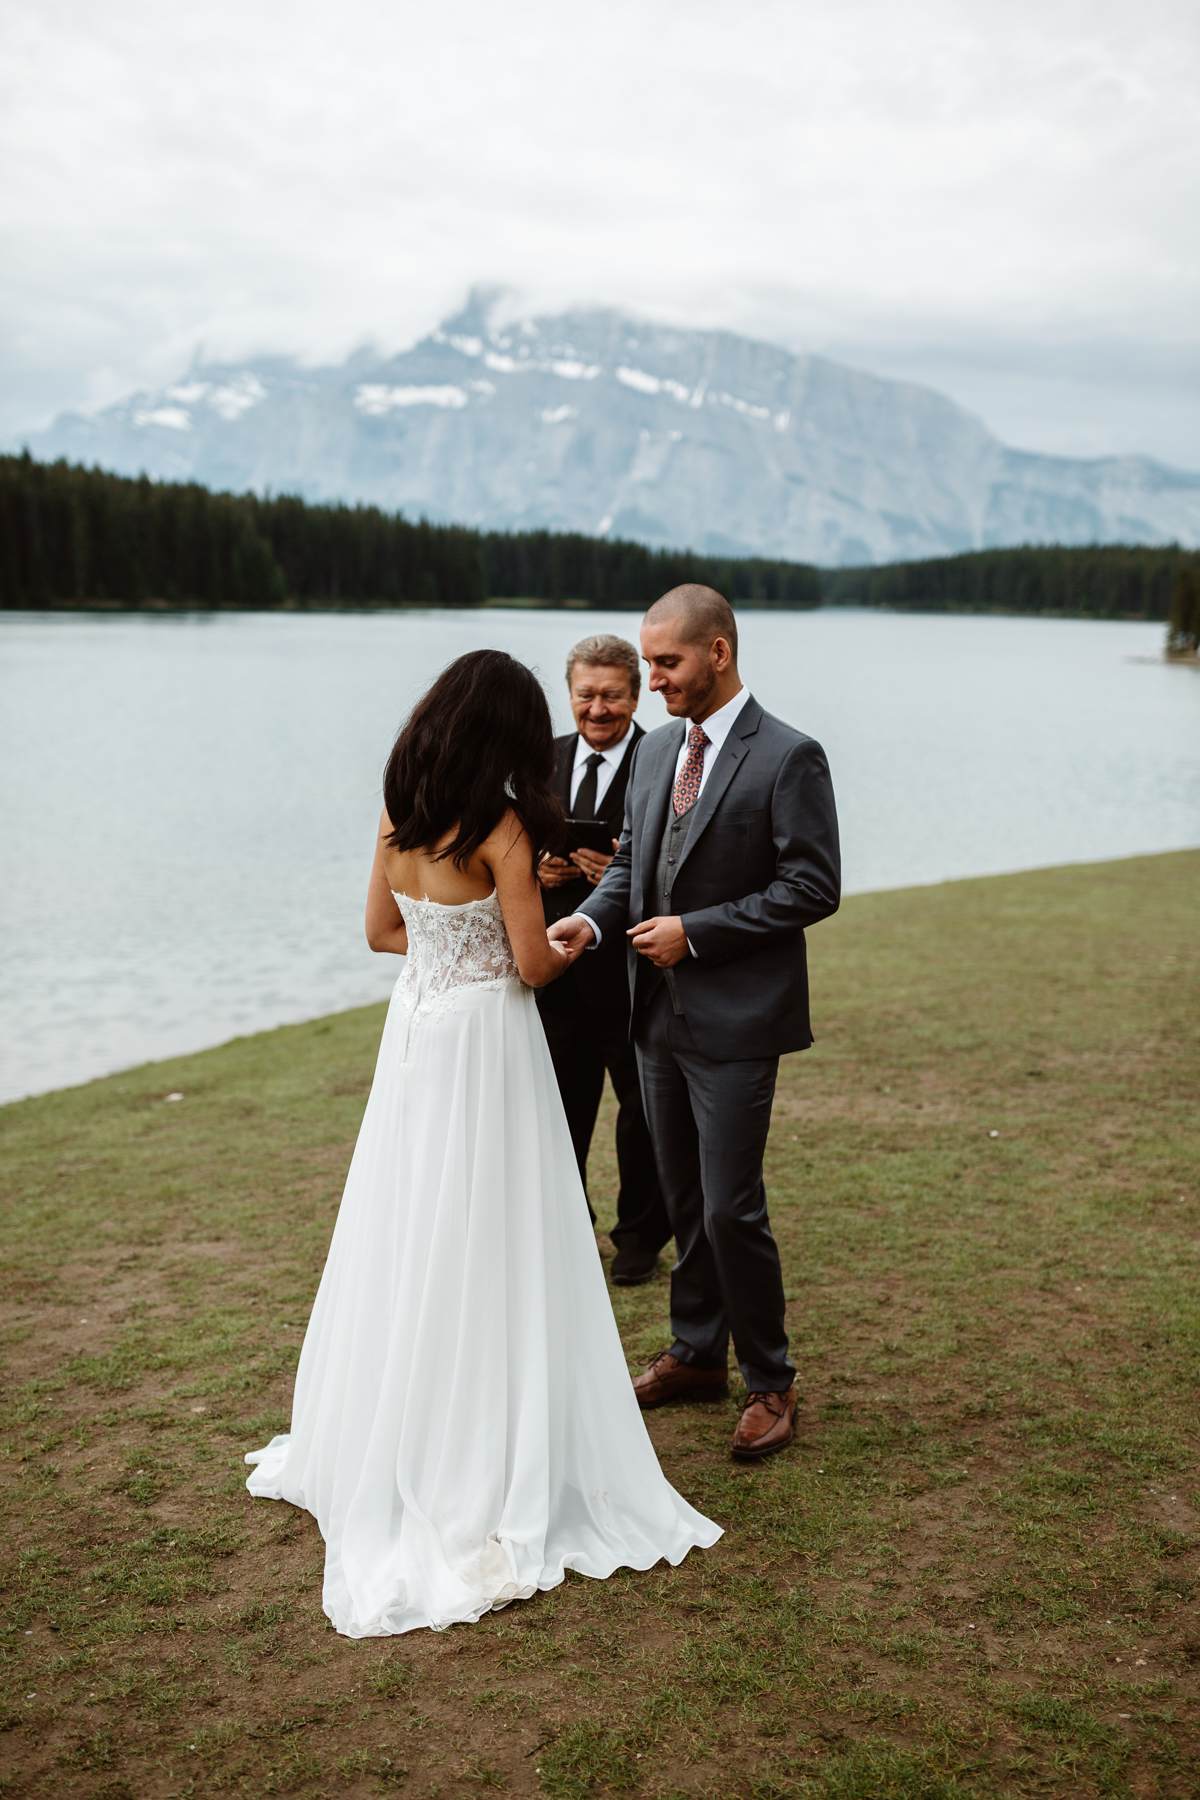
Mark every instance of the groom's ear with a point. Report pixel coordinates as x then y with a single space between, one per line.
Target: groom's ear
721 651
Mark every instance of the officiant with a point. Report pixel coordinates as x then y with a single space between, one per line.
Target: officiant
586 1012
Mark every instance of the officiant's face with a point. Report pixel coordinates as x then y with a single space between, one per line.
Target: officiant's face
603 702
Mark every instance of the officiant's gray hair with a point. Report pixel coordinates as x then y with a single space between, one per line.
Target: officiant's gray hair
604 650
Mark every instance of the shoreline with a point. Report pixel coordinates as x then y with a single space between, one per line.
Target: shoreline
173 1057
168 609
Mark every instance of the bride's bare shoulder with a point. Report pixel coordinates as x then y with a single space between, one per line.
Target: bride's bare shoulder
507 835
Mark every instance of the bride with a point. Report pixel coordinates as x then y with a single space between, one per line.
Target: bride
464 1429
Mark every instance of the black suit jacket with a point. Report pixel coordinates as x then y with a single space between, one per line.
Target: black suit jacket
761 862
598 979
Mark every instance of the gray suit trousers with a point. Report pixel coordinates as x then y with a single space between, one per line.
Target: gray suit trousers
708 1121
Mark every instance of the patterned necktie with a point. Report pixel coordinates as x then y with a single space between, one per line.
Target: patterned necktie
687 782
585 799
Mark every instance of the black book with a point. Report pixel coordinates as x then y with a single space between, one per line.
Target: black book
587 834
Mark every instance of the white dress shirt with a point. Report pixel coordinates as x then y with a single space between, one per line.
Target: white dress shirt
717 727
614 756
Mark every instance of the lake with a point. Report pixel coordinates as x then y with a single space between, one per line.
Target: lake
188 802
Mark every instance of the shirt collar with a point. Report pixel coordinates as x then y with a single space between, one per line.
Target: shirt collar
612 755
719 724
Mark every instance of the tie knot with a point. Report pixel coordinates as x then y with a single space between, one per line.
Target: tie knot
697 738
595 759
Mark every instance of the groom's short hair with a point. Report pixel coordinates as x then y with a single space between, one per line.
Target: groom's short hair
603 650
703 613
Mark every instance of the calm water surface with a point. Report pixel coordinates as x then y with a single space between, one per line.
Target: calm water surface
188 803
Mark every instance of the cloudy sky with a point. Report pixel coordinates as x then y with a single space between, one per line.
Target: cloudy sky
999 200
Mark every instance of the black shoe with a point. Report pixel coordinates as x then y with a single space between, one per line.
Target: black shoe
630 1268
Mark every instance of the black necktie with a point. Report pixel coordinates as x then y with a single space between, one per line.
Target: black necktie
585 799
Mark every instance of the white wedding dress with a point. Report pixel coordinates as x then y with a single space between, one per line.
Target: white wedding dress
463 1427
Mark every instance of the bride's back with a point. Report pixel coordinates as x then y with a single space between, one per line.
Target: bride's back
421 875
469 803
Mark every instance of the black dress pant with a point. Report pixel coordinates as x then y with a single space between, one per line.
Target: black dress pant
709 1123
588 1035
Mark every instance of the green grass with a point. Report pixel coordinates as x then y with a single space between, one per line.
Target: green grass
977 1572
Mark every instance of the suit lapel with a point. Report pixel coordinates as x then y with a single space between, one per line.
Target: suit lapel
657 800
732 752
612 807
566 768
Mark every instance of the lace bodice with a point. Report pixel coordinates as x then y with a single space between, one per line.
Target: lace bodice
454 946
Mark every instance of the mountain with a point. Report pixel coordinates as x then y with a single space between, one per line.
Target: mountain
598 422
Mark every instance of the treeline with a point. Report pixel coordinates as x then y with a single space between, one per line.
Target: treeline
617 573
1102 581
1183 622
72 536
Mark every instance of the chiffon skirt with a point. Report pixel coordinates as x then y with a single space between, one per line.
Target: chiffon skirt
463 1428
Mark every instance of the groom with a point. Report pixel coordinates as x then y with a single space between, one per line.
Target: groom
730 849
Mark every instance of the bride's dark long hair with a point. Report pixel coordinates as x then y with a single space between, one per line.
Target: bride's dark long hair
477 743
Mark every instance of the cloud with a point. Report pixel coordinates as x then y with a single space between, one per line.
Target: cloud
1001 201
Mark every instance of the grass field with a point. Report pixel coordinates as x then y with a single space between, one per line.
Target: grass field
977 1571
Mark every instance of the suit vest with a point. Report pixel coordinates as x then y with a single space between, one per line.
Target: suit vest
676 832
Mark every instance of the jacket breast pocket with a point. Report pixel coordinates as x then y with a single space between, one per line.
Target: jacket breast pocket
741 839
745 822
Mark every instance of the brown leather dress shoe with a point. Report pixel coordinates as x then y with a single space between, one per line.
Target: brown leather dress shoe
767 1424
665 1378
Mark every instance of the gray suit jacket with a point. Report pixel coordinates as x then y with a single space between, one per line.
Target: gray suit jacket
761 862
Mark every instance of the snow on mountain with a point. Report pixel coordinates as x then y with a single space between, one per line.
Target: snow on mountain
595 421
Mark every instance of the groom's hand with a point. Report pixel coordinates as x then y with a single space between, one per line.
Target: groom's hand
573 933
663 941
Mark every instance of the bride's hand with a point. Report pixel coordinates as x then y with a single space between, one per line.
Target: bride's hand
573 934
